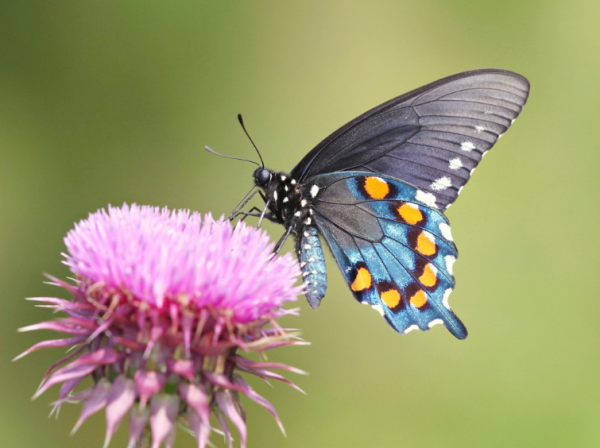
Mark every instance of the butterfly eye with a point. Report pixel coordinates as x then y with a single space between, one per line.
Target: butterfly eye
262 176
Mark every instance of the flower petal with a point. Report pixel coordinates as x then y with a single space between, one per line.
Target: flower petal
51 343
102 356
195 397
226 433
264 374
183 367
170 439
55 326
201 429
120 400
147 383
96 401
65 374
221 380
225 402
163 413
240 360
259 399
138 418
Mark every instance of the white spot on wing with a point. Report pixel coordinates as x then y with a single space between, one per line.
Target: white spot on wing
460 189
479 128
293 181
297 214
445 229
435 322
303 202
275 195
455 164
307 221
445 297
286 199
283 177
426 198
314 190
411 328
441 184
467 146
472 171
449 263
377 308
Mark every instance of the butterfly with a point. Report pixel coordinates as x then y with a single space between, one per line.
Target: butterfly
376 190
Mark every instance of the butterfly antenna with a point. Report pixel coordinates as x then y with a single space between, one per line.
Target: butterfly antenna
250 138
212 151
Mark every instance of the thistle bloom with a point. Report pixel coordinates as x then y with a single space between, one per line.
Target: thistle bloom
163 304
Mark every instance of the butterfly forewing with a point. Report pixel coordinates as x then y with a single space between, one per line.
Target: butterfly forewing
432 137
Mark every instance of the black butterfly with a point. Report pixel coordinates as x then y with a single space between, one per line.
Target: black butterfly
376 188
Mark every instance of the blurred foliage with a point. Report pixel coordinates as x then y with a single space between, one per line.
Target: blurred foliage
111 102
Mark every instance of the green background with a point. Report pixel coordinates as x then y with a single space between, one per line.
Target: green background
110 102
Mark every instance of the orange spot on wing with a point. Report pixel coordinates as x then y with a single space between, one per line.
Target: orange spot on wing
429 277
410 213
419 299
426 244
362 280
391 298
376 187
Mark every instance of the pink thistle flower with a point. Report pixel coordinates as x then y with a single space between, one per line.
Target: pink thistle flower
163 304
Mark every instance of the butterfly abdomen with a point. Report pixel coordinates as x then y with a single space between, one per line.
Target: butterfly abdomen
312 263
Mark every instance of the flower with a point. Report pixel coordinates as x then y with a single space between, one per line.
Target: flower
163 304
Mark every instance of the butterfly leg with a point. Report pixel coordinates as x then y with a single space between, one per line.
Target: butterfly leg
257 213
242 203
282 240
262 215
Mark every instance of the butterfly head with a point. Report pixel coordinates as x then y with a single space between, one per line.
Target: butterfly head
262 177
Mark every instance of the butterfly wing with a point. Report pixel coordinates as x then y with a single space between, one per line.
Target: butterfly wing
395 251
432 137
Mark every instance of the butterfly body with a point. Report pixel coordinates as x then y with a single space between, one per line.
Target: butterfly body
290 204
375 191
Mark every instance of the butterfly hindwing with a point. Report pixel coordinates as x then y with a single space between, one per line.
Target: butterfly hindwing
432 137
395 251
